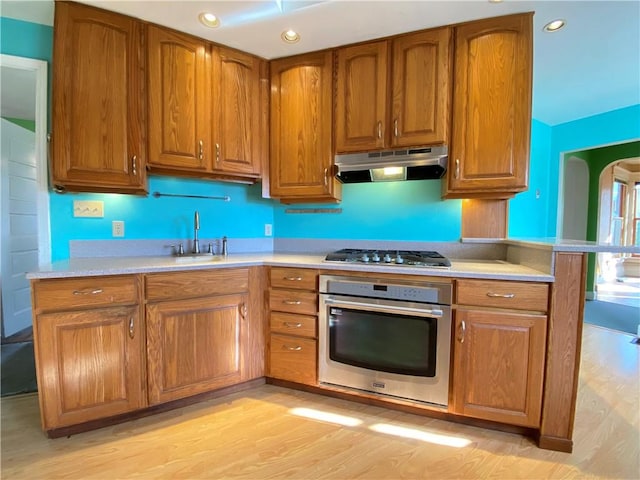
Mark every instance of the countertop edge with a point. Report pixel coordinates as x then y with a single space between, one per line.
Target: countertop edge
481 269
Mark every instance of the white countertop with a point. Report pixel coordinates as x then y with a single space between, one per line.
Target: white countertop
559 244
80 267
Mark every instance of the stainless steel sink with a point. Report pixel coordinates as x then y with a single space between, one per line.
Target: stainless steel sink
197 258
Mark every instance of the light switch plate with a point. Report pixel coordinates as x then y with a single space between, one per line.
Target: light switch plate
88 208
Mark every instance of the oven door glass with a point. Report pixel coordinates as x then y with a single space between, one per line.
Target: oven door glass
380 341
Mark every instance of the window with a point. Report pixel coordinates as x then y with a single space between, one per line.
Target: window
618 204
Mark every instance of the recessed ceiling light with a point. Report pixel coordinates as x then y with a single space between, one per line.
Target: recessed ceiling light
495 1
554 25
209 20
290 36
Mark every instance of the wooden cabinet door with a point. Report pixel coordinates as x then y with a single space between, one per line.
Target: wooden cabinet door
179 100
421 88
90 364
301 140
491 106
98 101
194 346
498 366
361 97
236 107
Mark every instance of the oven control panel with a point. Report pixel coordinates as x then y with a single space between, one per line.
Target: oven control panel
362 287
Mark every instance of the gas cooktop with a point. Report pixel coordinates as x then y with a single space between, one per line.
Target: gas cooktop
413 258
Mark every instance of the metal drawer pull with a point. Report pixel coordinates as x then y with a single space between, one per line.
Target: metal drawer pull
463 331
200 150
291 302
379 129
88 291
297 348
395 127
457 175
217 152
292 325
293 279
501 295
131 330
134 165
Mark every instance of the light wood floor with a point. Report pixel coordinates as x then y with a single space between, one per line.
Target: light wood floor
259 435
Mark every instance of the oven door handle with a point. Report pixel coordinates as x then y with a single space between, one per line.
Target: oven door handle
423 312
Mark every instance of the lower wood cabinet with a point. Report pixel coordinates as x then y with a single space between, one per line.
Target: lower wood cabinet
194 345
498 366
293 325
89 337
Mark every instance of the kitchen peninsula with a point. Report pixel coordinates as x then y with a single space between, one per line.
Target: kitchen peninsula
138 311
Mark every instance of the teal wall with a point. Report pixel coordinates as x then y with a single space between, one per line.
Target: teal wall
616 126
379 211
528 210
148 217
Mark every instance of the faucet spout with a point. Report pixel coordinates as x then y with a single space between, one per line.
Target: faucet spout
196 227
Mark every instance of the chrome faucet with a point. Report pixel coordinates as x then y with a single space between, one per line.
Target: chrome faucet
196 242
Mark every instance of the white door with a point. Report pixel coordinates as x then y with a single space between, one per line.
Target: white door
19 229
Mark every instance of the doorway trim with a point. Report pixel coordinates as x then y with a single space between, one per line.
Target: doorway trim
39 67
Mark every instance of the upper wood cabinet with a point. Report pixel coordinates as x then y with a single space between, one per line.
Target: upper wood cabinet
203 108
394 93
301 163
179 101
489 154
98 138
236 106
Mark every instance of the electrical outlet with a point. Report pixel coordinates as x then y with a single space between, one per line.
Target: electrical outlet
117 228
268 231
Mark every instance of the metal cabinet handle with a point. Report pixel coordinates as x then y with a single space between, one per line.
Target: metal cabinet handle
131 328
379 129
200 150
395 128
326 177
243 310
293 279
457 175
291 302
295 348
217 153
500 295
292 325
88 291
463 331
134 165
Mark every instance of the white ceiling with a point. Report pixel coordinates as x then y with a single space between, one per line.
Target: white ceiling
589 67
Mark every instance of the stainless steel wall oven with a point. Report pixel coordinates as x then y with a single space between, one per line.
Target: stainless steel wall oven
386 337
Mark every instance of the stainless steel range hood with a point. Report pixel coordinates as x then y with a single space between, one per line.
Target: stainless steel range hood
392 165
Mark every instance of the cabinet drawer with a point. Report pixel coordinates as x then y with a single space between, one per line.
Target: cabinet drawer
513 295
293 359
296 278
201 283
289 324
71 293
293 301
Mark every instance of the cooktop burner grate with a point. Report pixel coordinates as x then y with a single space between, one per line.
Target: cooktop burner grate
414 258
